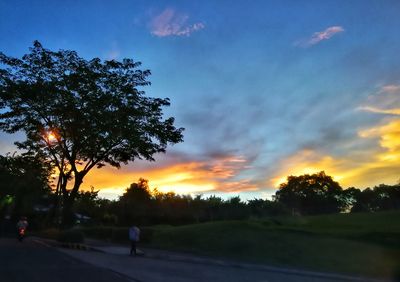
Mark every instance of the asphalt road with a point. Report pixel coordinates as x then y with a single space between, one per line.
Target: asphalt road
146 269
31 261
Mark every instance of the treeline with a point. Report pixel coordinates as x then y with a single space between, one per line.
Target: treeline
300 195
141 205
24 190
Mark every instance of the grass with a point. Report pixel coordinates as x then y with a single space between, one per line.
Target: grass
361 244
366 244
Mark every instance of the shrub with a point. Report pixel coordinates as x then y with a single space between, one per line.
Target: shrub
51 233
71 236
117 234
120 235
101 233
146 234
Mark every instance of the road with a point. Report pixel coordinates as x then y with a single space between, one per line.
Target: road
30 261
152 269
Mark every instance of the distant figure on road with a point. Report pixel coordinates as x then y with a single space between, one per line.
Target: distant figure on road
22 224
134 235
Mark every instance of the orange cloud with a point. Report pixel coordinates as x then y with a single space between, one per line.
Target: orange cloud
381 166
182 178
389 139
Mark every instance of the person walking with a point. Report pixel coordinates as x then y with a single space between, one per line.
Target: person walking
134 236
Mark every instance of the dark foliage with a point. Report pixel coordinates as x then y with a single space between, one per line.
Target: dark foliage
23 186
311 194
80 114
318 194
143 206
382 197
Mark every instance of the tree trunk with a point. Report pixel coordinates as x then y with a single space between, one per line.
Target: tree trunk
68 216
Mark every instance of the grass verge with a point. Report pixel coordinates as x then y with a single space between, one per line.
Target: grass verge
357 244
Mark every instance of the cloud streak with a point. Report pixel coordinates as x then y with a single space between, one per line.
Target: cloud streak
170 23
391 88
319 36
395 111
386 101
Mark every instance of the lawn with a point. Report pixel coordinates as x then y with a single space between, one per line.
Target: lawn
361 244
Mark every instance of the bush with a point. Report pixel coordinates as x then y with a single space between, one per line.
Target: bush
71 236
101 233
117 234
51 233
120 235
146 234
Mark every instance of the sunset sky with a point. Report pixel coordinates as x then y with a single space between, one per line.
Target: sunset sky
265 89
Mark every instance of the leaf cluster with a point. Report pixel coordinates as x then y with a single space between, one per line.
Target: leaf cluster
93 109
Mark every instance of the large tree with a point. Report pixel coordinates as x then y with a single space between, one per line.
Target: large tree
311 194
81 113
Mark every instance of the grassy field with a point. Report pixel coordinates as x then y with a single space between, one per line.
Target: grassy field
362 244
365 244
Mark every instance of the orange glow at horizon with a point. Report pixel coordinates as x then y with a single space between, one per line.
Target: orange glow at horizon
181 178
381 164
306 162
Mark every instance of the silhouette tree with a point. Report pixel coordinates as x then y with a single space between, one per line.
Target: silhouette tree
135 203
81 114
23 183
381 197
311 194
214 206
234 208
387 197
350 198
88 203
262 208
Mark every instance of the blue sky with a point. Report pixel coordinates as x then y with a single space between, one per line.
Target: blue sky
264 89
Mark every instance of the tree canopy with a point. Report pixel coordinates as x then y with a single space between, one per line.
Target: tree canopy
311 194
81 113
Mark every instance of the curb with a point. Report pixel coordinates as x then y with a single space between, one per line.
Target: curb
76 246
51 243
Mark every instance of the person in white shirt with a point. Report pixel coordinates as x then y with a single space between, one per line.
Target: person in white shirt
134 235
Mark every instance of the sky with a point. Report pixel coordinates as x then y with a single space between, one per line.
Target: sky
264 89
